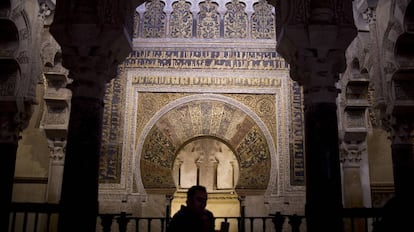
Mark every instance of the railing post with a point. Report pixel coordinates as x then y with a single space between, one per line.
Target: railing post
122 221
278 220
295 221
242 225
168 199
106 222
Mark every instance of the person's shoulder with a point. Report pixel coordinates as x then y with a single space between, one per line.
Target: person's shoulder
208 212
183 211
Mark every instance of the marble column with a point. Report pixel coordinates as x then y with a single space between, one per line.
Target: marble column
313 36
323 181
79 197
351 156
56 165
55 124
13 120
397 215
95 39
403 156
8 146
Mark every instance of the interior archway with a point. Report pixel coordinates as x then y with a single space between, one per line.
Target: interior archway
214 117
206 161
212 163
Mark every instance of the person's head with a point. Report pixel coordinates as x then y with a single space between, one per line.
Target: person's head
197 198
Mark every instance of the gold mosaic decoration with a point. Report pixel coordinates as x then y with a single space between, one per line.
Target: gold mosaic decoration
201 117
206 118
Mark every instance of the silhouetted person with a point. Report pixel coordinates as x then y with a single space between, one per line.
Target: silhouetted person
194 217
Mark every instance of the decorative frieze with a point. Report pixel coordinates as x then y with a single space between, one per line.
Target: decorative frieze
207 81
205 20
297 149
207 59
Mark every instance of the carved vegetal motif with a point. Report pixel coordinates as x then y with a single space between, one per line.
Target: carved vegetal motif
253 154
181 20
263 21
157 160
55 115
154 20
372 112
136 25
355 118
57 150
370 15
351 154
159 150
208 25
253 149
112 123
235 20
265 107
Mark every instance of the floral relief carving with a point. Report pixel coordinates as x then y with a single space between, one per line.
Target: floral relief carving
181 20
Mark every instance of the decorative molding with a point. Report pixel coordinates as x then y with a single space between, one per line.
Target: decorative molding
30 180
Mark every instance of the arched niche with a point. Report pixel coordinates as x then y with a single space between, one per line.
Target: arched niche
409 18
10 70
404 47
355 65
207 161
4 7
209 118
403 95
9 38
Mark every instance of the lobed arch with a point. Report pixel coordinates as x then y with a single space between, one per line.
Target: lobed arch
203 153
246 137
9 39
17 45
393 31
390 48
404 48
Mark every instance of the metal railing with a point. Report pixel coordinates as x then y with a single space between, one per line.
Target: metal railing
34 217
42 217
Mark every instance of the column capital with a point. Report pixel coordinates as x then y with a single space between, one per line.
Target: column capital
313 38
401 128
14 118
95 38
370 15
351 154
57 151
